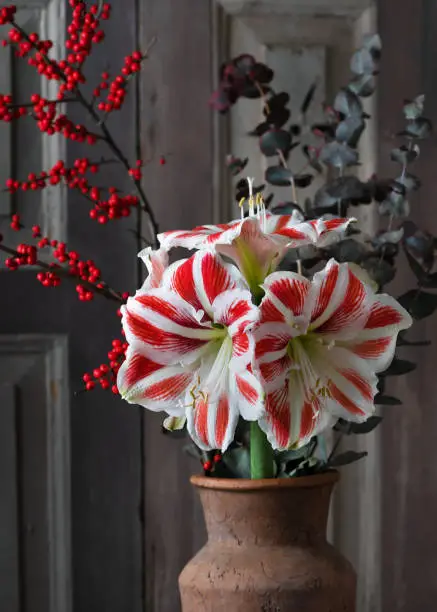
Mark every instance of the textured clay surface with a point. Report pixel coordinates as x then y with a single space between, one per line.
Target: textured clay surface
267 550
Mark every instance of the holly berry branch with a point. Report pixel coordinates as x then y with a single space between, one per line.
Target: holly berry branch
108 202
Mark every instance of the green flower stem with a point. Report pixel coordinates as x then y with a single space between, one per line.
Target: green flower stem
261 454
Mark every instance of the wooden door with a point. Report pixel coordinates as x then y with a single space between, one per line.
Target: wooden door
71 479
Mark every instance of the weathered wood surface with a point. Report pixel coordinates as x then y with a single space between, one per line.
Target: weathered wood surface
409 478
175 120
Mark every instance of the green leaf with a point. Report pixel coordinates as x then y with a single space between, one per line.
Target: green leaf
420 304
387 400
363 85
405 155
430 281
349 428
415 266
273 141
279 176
338 155
237 460
346 458
413 109
420 128
399 367
402 341
349 104
395 205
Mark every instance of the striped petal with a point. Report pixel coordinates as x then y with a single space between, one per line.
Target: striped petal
318 232
292 417
351 383
156 263
201 278
199 237
211 424
146 383
285 293
340 302
247 394
165 327
234 310
376 342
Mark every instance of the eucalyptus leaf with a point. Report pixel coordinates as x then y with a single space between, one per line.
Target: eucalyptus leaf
399 367
279 176
349 428
363 85
273 141
348 250
405 155
237 460
348 104
420 304
420 128
403 341
346 458
338 155
409 182
303 180
381 271
346 188
349 130
387 400
430 281
362 62
413 109
392 237
395 205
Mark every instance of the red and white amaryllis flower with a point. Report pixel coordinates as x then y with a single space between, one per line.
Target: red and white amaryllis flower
156 264
258 243
190 349
319 345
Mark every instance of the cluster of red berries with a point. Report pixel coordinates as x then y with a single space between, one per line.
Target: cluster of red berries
84 270
106 374
208 466
7 14
117 88
115 207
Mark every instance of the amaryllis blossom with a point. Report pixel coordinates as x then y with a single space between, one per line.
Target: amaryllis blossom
258 243
319 345
190 349
156 264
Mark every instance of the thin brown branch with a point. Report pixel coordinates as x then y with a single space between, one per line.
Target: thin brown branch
107 136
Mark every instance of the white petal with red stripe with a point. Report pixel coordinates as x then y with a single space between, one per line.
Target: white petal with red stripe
211 423
318 232
292 417
287 293
196 238
156 263
200 279
351 383
247 393
146 383
165 327
376 342
339 302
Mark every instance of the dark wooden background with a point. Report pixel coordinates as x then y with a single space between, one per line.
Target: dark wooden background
135 519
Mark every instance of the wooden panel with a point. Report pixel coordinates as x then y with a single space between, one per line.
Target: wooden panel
36 510
348 8
176 119
5 137
9 549
409 540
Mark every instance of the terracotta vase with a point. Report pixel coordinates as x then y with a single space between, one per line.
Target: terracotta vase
267 549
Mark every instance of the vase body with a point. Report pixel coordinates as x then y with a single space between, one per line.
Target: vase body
267 549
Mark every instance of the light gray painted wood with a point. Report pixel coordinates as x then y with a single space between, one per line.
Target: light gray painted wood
35 423
343 8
